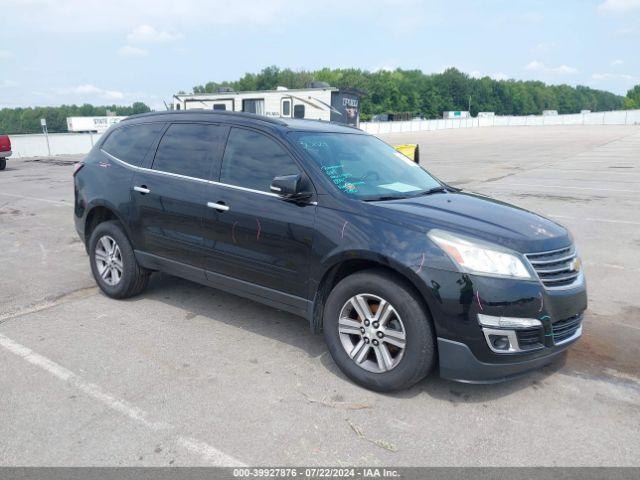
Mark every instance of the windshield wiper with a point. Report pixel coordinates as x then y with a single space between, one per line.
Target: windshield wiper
438 189
385 197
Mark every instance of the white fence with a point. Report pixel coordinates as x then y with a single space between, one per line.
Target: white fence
35 145
619 117
80 143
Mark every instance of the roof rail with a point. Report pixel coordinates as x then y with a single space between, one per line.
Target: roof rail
253 116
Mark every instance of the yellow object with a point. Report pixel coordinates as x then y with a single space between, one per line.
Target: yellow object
411 150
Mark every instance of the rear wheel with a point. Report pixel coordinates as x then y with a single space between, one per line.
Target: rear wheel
3 163
113 263
378 332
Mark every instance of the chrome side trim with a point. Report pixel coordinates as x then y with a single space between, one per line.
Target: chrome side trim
185 177
243 189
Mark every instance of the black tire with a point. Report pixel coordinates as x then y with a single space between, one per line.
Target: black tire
134 278
419 354
3 163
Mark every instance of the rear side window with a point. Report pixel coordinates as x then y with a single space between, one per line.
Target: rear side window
252 160
130 144
188 149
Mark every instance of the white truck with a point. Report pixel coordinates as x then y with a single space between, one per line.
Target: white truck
456 114
91 124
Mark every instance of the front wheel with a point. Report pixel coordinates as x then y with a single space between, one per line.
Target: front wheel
3 163
378 331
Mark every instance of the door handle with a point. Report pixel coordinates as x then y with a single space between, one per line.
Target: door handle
143 189
221 207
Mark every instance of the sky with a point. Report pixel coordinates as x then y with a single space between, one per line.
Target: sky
56 52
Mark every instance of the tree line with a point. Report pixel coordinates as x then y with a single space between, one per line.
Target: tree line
27 120
398 91
428 95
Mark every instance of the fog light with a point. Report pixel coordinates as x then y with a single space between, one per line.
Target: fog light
500 342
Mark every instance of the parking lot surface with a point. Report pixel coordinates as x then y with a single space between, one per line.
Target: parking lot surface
188 375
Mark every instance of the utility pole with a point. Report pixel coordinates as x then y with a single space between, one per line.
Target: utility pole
469 104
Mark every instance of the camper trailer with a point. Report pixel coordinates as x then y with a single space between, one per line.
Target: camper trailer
318 102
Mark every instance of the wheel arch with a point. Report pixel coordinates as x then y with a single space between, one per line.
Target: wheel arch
98 213
354 262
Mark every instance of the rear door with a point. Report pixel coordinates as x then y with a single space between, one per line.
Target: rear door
255 235
168 198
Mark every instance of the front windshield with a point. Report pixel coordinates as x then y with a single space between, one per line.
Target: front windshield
365 167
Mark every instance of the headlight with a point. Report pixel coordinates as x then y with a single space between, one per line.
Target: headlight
477 257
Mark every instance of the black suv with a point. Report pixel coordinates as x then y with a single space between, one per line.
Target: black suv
399 270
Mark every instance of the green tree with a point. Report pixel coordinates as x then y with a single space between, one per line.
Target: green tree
632 99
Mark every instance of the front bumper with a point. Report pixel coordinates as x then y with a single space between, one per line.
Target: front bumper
463 346
458 363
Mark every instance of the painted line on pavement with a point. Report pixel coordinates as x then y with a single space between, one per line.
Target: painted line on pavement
605 220
214 456
59 203
564 187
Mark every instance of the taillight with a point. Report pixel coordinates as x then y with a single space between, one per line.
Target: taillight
77 167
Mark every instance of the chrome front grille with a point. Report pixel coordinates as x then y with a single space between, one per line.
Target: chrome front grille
556 268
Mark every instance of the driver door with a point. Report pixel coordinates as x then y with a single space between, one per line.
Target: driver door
255 236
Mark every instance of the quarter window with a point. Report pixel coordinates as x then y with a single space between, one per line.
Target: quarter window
131 143
188 149
252 160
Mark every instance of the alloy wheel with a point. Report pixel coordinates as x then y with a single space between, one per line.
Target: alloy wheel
109 260
372 333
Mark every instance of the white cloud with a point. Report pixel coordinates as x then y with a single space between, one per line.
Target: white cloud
6 55
618 6
614 76
73 16
626 31
543 47
616 63
129 51
537 66
500 76
8 84
384 67
88 90
148 34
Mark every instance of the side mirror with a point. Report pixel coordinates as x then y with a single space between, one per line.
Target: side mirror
289 187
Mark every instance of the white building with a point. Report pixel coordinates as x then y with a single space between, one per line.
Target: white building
316 103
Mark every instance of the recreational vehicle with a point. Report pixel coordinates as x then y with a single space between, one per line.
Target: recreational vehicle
318 102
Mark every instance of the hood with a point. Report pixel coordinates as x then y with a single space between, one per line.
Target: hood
477 216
